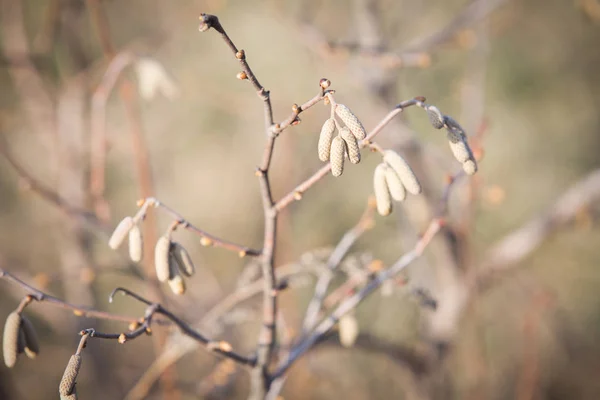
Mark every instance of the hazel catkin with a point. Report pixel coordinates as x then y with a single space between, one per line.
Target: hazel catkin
403 170
118 236
395 185
352 146
351 121
10 339
67 383
325 138
161 258
338 151
32 344
382 193
183 259
136 247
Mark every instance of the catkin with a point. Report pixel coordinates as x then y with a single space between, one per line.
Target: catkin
351 121
459 146
120 232
382 193
395 185
136 246
72 396
405 173
338 151
183 259
176 282
351 145
32 344
67 383
161 258
10 340
470 166
348 326
436 118
325 139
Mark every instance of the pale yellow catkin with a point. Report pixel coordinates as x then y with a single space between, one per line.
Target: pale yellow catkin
67 383
176 282
459 146
436 118
382 193
136 244
348 326
32 344
161 258
72 396
470 166
10 339
352 146
325 138
183 259
395 185
351 121
405 173
338 151
120 232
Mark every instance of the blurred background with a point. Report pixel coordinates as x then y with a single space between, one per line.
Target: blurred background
514 272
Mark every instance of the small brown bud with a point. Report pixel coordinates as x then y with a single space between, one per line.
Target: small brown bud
140 202
10 340
183 259
326 101
297 195
78 313
338 151
420 98
240 55
32 344
403 170
122 338
120 232
136 248
242 75
351 121
325 138
204 241
395 185
161 258
133 326
348 326
324 83
242 254
296 108
67 383
352 146
225 346
382 193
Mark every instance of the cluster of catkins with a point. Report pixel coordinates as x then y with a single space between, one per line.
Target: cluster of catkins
171 258
335 149
19 337
456 138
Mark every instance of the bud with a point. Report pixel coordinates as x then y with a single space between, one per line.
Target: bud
351 121
395 185
348 330
183 259
204 241
382 193
120 232
242 75
10 340
325 139
161 258
67 383
351 145
403 170
470 167
324 83
32 344
136 248
436 118
240 55
338 151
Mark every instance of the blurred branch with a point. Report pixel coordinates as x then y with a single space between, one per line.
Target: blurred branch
78 213
365 223
80 311
519 244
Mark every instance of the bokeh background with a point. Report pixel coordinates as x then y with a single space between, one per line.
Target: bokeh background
521 76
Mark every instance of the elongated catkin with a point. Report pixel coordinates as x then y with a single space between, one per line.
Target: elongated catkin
395 185
351 121
338 152
32 344
382 193
67 383
436 118
120 232
161 258
325 138
351 145
183 259
403 170
10 339
136 246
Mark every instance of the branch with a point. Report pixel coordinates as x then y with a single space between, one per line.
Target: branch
80 311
